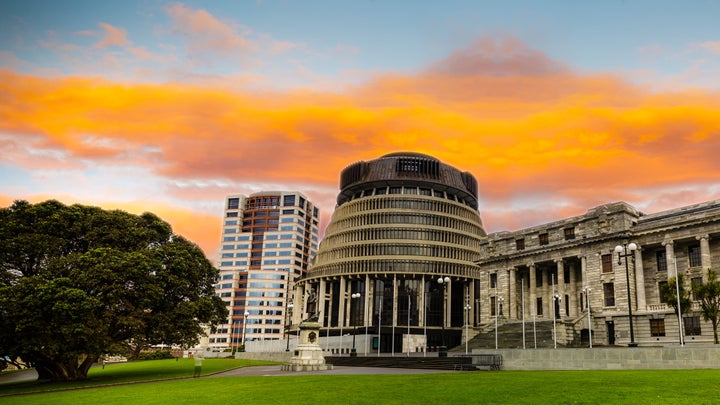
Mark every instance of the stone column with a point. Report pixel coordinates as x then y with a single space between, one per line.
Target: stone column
640 302
343 302
367 298
560 290
669 258
705 260
321 303
546 293
512 294
533 290
448 300
422 303
395 301
573 291
471 295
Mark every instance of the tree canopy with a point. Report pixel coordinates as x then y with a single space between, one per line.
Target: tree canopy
78 282
708 293
669 292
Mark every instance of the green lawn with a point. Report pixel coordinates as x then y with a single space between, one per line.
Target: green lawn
120 373
515 387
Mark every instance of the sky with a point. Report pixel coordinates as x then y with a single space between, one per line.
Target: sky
555 107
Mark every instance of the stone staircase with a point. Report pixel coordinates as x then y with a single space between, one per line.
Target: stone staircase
510 336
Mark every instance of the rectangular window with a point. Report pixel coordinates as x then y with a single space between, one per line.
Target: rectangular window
539 306
493 305
233 203
289 201
692 326
543 238
538 277
693 282
569 233
609 294
520 244
606 263
493 280
657 327
694 255
661 260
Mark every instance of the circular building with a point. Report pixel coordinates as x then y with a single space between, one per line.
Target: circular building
397 261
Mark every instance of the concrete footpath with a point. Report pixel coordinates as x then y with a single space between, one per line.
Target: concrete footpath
270 371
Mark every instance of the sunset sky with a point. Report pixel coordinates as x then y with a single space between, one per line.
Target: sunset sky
555 107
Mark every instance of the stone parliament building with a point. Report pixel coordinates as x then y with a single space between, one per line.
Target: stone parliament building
405 259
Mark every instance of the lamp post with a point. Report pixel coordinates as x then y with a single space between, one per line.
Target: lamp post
244 327
556 309
498 300
444 282
288 321
622 252
589 314
288 309
354 296
467 325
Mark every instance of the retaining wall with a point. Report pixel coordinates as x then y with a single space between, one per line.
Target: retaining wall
606 358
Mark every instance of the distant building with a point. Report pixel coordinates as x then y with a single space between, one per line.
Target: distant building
268 240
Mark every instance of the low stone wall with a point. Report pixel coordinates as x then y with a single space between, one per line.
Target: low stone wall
616 358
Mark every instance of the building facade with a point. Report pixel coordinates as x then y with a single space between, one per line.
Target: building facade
563 268
405 260
268 241
402 221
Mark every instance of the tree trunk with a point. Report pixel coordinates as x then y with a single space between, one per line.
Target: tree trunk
715 328
64 370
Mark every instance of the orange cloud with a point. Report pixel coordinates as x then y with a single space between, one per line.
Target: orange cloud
527 127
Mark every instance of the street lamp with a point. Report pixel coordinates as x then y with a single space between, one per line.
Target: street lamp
288 309
622 252
589 315
498 301
467 325
244 327
444 282
354 296
556 308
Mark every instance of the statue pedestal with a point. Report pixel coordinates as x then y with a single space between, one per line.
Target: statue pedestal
308 355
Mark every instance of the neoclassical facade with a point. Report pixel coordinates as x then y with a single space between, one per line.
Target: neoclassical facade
406 221
401 222
562 268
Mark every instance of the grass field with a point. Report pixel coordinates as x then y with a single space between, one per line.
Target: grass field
511 387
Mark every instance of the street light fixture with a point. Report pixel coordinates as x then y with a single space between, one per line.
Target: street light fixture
444 282
467 326
589 314
622 252
244 327
556 309
498 301
287 333
354 296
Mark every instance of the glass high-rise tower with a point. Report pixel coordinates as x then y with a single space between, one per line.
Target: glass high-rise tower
268 240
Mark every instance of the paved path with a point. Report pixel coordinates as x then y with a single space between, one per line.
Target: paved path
276 371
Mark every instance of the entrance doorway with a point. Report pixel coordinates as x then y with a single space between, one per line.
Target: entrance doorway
610 325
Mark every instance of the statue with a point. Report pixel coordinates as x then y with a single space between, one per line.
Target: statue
311 306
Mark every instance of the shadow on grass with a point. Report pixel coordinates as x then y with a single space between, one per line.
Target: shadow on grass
131 373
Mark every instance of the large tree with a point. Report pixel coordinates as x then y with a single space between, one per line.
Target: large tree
708 293
77 282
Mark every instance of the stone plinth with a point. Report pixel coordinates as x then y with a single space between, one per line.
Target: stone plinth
308 355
